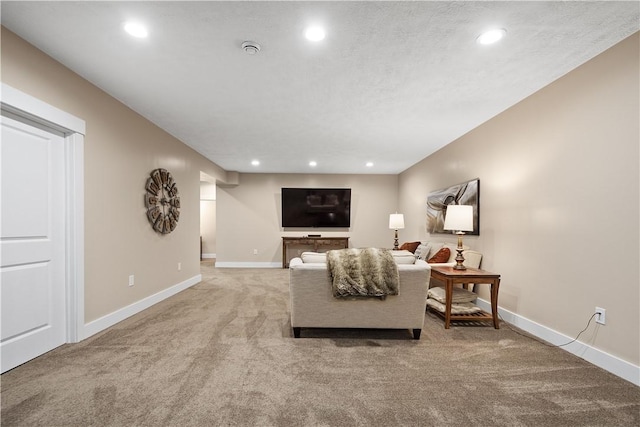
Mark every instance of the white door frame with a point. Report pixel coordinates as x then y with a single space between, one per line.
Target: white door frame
18 104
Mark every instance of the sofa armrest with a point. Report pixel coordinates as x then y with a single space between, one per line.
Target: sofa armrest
295 261
298 264
417 265
442 264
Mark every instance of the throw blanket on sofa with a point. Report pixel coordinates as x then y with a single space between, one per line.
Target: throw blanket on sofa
368 272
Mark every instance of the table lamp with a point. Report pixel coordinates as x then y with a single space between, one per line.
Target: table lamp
459 218
396 222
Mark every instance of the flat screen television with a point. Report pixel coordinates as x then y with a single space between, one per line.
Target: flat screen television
316 207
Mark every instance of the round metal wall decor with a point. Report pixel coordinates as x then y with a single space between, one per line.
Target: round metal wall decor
162 201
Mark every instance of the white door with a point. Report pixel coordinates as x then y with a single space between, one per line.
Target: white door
32 243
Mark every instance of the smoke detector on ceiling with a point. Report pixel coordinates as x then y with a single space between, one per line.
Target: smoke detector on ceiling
251 47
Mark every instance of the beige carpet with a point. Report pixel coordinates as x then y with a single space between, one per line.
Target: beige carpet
222 353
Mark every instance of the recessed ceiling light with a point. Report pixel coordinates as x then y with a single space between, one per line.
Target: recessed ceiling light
313 164
369 164
314 34
255 162
136 29
251 47
491 36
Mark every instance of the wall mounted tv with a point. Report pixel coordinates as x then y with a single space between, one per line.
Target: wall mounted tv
316 207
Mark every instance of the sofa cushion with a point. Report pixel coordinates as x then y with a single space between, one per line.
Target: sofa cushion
314 257
409 246
441 256
403 257
459 295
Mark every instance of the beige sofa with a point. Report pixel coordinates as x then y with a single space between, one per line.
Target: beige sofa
314 306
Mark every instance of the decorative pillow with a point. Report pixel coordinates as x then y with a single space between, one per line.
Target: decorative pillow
461 308
313 257
459 295
410 246
422 251
441 256
435 247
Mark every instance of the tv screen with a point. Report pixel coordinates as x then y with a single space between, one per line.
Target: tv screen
316 207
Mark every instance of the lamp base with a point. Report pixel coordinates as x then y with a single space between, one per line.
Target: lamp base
459 258
395 243
459 262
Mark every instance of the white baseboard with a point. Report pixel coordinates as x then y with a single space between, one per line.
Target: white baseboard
606 361
111 319
208 256
220 264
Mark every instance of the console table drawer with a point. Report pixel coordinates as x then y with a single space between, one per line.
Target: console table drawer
325 242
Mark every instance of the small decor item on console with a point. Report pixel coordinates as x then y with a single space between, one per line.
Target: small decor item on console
162 201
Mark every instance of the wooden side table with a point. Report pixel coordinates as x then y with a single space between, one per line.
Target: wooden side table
450 276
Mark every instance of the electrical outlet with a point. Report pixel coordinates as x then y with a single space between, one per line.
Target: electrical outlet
179 266
255 252
131 280
600 315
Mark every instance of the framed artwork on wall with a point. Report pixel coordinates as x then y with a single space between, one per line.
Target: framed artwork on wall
467 193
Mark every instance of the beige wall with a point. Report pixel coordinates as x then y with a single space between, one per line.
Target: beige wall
208 222
121 149
248 215
559 200
208 227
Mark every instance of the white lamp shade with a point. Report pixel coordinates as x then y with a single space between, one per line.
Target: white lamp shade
396 221
459 218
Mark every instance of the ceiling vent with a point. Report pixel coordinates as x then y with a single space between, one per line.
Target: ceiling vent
251 47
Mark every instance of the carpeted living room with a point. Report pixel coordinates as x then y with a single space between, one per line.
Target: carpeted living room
151 244
221 353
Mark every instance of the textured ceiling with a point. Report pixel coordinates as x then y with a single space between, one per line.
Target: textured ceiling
391 83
